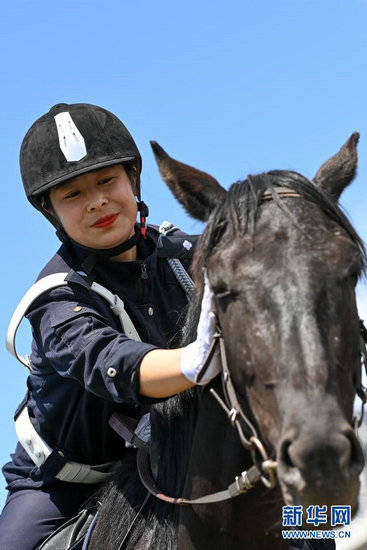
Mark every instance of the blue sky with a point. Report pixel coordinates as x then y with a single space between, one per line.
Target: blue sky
232 88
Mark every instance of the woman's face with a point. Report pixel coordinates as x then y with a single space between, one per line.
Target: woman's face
97 209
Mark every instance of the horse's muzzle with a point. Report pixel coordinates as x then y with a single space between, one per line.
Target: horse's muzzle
318 466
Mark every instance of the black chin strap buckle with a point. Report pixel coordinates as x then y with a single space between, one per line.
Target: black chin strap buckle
144 213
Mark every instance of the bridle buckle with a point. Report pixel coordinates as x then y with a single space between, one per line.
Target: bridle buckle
232 415
266 464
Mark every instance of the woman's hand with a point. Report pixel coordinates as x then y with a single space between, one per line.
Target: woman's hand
194 355
166 372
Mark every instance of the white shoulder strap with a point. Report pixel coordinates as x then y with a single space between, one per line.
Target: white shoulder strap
53 281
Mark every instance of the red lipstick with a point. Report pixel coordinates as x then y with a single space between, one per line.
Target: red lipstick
105 221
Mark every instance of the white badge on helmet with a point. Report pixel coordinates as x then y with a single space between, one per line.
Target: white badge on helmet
70 139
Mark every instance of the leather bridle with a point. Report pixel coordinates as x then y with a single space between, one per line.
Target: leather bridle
246 430
264 467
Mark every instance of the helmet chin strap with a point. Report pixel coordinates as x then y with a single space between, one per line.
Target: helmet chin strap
144 213
104 252
92 255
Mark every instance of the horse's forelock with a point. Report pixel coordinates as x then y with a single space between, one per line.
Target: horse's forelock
237 214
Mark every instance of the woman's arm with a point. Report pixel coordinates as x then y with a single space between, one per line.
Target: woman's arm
75 339
161 374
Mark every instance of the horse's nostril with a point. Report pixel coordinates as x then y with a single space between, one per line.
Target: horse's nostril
284 453
356 461
332 455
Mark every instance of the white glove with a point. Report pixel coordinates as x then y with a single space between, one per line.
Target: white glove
194 355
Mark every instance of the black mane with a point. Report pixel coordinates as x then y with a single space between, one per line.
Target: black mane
238 213
173 423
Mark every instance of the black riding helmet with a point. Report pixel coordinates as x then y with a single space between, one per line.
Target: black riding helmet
71 140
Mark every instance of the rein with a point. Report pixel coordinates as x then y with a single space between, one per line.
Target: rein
264 467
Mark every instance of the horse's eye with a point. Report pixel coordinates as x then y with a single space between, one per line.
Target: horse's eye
354 278
225 293
355 272
222 293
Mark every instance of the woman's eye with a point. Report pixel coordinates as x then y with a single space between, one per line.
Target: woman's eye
71 195
105 180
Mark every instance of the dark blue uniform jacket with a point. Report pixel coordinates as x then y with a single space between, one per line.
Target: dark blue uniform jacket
77 338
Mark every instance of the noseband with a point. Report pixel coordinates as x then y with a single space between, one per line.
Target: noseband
264 467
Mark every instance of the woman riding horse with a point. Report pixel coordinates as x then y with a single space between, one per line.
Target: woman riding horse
81 169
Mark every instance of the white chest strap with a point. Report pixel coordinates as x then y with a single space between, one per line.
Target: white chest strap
36 447
38 451
53 281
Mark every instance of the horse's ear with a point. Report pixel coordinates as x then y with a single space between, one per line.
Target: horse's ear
197 191
338 172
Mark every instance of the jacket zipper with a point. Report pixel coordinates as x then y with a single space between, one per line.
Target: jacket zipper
144 272
140 283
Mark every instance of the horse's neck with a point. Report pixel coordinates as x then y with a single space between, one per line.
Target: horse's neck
216 458
216 453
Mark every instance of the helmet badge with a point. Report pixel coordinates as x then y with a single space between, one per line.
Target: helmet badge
71 141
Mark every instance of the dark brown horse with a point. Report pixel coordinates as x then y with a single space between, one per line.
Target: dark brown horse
283 267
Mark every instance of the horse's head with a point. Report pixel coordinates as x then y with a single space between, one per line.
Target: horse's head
283 262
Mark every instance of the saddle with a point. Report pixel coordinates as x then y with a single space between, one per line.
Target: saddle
75 533
72 534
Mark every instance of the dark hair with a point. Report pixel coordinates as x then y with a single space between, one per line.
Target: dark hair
131 172
45 201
